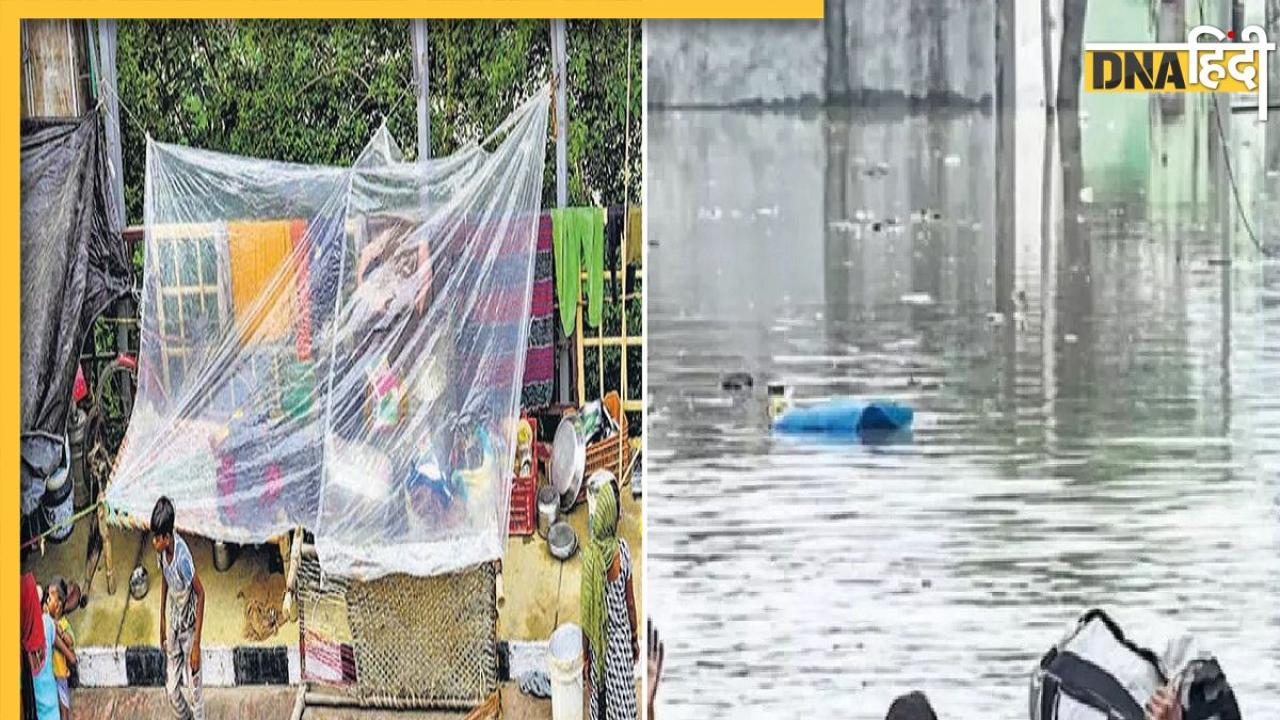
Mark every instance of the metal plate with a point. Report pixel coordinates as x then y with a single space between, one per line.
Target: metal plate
568 457
562 541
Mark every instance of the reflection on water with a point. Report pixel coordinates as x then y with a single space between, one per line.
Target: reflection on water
1095 380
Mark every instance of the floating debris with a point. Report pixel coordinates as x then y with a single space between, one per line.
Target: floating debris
995 318
920 298
709 213
1086 195
951 161
880 169
737 382
767 211
1070 338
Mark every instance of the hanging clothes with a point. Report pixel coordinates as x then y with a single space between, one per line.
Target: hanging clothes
301 260
540 358
635 246
635 235
262 281
613 226
593 255
567 244
577 235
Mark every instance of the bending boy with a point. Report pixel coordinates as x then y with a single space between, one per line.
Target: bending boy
181 613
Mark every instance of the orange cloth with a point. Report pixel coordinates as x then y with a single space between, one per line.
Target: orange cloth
262 279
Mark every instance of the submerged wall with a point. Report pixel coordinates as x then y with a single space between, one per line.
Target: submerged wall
725 63
913 51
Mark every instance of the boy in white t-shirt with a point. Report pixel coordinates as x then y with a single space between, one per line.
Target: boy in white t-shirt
181 613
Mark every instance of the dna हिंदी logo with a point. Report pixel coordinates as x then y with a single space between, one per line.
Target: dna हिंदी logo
1223 64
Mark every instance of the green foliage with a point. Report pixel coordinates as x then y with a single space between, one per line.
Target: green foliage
315 91
298 91
599 96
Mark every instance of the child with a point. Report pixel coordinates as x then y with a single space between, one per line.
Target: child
45 685
181 613
66 647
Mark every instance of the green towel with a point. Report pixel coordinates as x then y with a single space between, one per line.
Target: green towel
576 232
593 252
566 245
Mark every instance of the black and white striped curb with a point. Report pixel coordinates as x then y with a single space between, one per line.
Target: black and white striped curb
144 665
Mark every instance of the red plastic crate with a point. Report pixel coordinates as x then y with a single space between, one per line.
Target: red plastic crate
524 494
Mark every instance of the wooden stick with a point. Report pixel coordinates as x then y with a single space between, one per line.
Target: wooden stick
105 530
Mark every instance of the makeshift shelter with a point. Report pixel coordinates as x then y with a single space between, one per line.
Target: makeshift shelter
339 349
73 266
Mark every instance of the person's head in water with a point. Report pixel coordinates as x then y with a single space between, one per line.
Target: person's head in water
779 400
912 706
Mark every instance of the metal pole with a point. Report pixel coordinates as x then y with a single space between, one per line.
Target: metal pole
559 55
111 127
111 116
559 63
422 79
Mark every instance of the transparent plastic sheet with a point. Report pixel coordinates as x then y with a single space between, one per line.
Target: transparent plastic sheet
338 348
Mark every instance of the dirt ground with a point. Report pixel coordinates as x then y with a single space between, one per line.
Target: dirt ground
541 592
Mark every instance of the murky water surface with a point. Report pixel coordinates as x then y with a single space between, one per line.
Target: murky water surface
1096 374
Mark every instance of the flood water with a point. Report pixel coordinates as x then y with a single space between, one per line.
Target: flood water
1093 351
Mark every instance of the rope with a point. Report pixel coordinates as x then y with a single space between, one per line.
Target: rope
104 85
65 523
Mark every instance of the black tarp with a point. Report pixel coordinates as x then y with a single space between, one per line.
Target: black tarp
73 266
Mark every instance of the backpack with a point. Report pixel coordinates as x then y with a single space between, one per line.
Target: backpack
1096 673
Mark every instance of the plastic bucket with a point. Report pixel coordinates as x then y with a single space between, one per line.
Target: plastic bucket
548 509
75 438
59 501
564 667
59 506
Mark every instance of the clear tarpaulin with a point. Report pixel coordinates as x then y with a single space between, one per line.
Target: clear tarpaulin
338 348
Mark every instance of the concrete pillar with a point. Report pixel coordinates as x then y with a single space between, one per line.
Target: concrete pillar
1069 67
836 31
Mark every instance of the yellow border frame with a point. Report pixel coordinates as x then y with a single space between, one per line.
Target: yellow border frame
12 11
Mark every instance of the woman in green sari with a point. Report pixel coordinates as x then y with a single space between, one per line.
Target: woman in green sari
608 607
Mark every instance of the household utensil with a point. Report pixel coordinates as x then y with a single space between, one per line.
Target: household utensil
568 457
562 541
548 509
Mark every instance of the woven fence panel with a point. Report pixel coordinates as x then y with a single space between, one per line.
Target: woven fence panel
402 640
